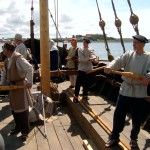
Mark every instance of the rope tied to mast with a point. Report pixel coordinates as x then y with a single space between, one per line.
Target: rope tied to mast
58 68
118 26
134 19
102 25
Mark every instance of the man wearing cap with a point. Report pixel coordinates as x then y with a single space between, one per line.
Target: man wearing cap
72 61
86 57
17 71
132 92
20 48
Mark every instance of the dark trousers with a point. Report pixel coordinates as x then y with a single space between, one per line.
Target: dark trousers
139 109
22 121
82 80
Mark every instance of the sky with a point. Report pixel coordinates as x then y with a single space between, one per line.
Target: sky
75 17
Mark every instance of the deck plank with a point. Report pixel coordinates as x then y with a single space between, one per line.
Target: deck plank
63 132
58 128
42 142
75 141
63 138
53 138
105 109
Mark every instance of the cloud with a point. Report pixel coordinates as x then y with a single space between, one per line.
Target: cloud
75 17
65 18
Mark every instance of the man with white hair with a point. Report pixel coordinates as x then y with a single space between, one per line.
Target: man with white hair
21 48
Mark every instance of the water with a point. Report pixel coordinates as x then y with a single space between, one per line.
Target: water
115 48
100 50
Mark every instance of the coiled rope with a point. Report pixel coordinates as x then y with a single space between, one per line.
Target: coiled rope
102 25
134 19
118 26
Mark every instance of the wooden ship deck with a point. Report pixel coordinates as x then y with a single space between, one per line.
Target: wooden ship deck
75 129
63 132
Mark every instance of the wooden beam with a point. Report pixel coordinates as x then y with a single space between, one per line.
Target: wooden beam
44 47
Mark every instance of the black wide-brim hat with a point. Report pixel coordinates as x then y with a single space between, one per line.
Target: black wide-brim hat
141 38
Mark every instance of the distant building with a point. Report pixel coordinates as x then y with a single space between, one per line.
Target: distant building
95 36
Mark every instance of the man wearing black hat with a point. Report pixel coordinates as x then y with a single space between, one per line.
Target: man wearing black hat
85 57
132 92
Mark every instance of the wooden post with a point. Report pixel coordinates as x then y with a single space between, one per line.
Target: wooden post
44 47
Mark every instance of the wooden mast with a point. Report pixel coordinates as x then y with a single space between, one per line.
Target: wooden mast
32 30
44 47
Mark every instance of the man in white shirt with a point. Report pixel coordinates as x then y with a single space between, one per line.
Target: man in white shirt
18 71
132 92
20 48
86 57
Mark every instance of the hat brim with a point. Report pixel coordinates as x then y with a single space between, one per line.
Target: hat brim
141 40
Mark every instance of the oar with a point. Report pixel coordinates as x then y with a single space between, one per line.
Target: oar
1 64
94 70
128 74
11 87
65 72
131 75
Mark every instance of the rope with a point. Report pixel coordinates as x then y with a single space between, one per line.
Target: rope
118 26
102 25
54 23
134 19
58 62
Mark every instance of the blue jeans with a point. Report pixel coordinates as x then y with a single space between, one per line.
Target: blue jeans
139 109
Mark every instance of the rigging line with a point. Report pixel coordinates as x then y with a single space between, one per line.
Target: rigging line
57 32
54 23
57 21
98 10
56 17
58 66
55 12
118 26
133 19
130 6
20 12
102 25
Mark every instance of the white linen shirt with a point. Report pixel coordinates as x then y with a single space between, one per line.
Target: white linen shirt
83 55
25 69
21 48
139 64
